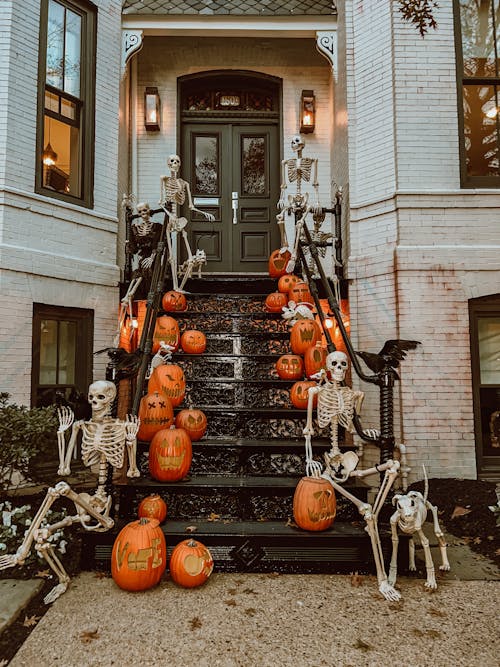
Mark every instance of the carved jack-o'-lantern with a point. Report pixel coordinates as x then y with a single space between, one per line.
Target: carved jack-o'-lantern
193 341
304 333
275 302
191 563
299 394
166 330
278 262
139 555
169 379
153 507
155 412
286 282
290 367
193 421
314 504
300 294
170 455
315 359
174 302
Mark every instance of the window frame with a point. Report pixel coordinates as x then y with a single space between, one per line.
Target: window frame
86 103
467 181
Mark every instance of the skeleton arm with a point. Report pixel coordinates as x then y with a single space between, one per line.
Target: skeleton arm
66 416
312 392
191 205
132 424
316 207
281 202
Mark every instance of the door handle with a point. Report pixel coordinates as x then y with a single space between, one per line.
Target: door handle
234 202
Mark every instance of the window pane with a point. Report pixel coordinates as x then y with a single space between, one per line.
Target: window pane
72 53
68 108
67 352
55 45
51 101
478 38
481 128
253 161
489 349
61 170
206 166
48 352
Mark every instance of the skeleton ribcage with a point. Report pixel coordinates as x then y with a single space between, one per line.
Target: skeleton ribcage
175 190
303 171
143 228
103 438
337 404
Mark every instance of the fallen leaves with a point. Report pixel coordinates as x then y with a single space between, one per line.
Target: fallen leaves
230 603
100 575
460 511
30 621
89 635
364 646
190 529
213 517
43 574
356 580
250 611
195 623
436 612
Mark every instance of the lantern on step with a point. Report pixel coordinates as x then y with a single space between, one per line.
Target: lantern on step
275 302
166 330
315 359
193 341
170 455
191 563
300 294
155 412
286 282
314 504
278 262
139 555
174 302
169 379
299 394
127 335
193 421
303 334
153 507
140 308
290 367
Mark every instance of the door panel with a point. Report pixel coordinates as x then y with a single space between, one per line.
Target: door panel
234 174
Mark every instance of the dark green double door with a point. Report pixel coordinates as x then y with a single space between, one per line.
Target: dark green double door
234 173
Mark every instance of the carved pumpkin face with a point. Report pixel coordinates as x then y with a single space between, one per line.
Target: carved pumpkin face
174 302
277 263
170 455
314 504
193 421
290 367
275 302
286 282
191 564
193 341
299 394
166 330
139 555
153 507
314 359
300 294
169 379
155 412
304 333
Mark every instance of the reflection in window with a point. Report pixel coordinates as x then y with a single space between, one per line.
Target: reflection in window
489 349
57 352
253 166
206 165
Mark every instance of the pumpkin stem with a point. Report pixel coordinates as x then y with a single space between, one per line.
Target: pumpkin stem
192 543
143 521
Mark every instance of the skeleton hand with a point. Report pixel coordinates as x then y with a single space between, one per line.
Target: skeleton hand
209 216
132 423
147 262
281 202
308 430
65 416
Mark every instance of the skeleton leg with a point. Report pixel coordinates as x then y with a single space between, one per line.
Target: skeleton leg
445 565
411 555
298 233
393 568
429 565
280 219
172 259
47 551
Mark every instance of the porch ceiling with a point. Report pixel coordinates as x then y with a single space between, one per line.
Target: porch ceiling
231 7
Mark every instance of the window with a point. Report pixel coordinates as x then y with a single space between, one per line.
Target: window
62 352
478 63
66 101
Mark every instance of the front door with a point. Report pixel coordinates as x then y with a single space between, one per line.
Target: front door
234 173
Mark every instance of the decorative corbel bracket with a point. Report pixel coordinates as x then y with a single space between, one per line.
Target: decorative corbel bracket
326 43
131 43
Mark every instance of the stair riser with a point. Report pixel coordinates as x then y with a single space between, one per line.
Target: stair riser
216 344
231 395
209 322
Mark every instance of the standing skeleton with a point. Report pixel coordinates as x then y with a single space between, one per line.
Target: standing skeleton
336 406
104 440
174 191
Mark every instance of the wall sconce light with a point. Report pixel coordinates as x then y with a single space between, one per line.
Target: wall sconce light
307 111
152 109
49 156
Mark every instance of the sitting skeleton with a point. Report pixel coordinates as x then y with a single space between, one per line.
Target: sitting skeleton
336 406
174 191
104 440
409 517
319 238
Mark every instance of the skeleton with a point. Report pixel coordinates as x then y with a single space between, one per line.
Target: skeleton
319 238
104 440
297 170
409 517
174 191
336 406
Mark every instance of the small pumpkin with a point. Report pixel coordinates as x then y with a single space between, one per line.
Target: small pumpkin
193 341
153 507
300 294
139 555
299 394
278 262
315 359
155 412
174 302
170 455
314 504
286 282
290 367
303 334
275 302
169 379
193 421
166 330
191 563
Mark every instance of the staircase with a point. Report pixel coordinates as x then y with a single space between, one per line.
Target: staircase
237 499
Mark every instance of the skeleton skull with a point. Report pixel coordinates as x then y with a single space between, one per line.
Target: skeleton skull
174 163
101 396
297 143
337 363
144 210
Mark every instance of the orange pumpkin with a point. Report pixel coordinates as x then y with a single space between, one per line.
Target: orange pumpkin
286 282
275 302
153 507
290 367
299 394
315 359
193 341
170 455
193 421
166 330
139 555
155 412
314 504
278 262
169 379
300 294
191 563
304 333
174 302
